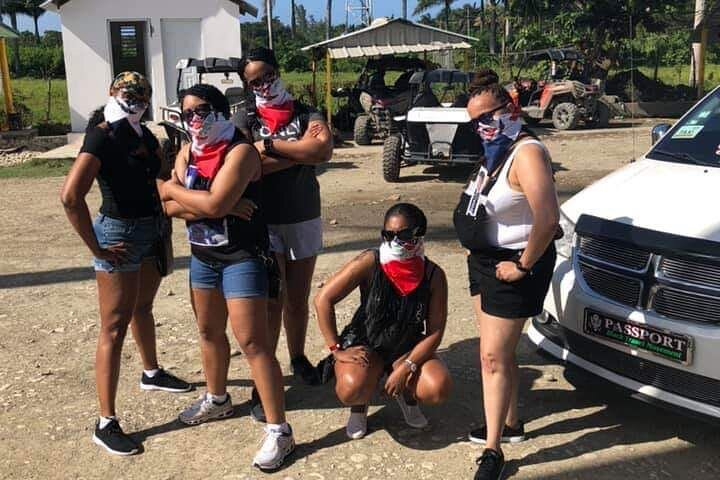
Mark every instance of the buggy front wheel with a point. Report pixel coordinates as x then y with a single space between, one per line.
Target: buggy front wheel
363 131
392 157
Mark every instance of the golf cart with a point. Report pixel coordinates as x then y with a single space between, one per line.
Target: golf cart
436 129
564 90
371 103
224 73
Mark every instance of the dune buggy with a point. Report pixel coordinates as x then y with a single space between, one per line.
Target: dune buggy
563 92
224 73
371 103
436 129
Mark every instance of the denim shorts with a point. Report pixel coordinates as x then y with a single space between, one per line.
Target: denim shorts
246 279
139 236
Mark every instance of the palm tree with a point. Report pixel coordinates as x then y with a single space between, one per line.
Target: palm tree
425 5
13 8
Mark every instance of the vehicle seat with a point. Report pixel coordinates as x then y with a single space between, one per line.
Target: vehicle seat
461 101
235 95
403 81
426 98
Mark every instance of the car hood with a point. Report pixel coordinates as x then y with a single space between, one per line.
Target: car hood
662 196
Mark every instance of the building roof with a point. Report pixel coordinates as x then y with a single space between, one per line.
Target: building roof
392 36
7 31
245 7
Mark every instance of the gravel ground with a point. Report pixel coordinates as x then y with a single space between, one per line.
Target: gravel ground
48 316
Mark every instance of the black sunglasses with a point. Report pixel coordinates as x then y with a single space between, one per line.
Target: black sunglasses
268 77
486 117
404 235
202 111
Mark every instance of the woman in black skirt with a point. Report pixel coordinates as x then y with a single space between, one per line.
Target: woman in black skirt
507 222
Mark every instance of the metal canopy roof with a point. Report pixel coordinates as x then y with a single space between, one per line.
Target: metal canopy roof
387 37
245 7
7 31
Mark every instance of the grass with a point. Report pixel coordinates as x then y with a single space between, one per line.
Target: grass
33 93
681 74
37 169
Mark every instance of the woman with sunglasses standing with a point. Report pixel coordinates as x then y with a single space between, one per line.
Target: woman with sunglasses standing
124 156
221 174
507 218
292 139
397 328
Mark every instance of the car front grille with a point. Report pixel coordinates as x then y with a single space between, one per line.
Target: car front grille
674 380
614 254
692 272
679 288
616 287
682 305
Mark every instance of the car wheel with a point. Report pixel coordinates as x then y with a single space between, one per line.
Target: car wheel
363 130
566 116
392 156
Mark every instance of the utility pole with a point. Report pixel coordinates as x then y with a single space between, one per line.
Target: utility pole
404 9
293 20
328 31
697 69
268 14
493 27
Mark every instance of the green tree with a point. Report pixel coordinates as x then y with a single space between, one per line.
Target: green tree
425 5
46 62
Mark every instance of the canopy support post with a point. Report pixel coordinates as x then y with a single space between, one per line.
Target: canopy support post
12 117
314 80
328 85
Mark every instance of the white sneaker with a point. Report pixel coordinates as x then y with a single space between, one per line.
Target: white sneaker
276 446
412 413
357 425
204 409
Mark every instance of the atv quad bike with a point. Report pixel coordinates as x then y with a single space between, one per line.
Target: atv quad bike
374 103
221 72
437 128
564 92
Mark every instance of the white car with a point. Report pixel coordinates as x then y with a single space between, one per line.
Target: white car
635 297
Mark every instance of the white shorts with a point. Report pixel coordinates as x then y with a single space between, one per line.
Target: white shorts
297 241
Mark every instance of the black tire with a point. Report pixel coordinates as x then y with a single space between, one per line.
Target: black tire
566 116
392 157
601 119
363 130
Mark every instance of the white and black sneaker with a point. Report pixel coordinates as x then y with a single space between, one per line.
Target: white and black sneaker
164 381
509 435
276 446
114 440
205 409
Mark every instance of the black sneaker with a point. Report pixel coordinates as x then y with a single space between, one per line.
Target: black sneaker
114 440
256 409
301 367
509 435
165 382
490 465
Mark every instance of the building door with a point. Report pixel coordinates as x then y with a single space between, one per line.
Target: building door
180 39
128 47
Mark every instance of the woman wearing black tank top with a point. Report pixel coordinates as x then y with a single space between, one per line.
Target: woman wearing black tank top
216 177
397 328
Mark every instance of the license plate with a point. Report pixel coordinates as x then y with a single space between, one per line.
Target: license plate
663 343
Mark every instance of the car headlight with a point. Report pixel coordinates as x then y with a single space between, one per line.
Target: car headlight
564 246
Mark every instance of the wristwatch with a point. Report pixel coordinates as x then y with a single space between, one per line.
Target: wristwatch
335 348
412 365
268 145
518 265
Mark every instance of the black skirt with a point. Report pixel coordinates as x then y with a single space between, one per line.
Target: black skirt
521 299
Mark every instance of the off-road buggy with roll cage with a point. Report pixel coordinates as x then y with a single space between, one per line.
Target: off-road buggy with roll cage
563 89
436 129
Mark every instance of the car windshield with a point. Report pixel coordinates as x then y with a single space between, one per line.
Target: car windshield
695 139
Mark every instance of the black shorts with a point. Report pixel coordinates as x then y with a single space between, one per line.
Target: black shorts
521 299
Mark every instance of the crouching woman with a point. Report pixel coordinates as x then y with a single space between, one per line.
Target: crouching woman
397 328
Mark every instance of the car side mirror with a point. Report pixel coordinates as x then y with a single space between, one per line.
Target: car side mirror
658 131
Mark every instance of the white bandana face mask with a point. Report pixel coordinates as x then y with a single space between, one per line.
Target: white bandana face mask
398 250
211 130
118 109
271 93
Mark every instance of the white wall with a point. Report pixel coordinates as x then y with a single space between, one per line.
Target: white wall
86 37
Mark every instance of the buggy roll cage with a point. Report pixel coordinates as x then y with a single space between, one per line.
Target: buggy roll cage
210 65
562 54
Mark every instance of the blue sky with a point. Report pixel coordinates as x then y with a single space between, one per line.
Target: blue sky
383 8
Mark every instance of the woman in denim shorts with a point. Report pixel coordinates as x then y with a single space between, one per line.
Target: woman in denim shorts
221 172
124 156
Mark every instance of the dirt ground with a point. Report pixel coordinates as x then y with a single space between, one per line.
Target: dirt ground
48 318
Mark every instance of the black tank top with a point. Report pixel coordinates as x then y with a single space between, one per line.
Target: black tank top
244 239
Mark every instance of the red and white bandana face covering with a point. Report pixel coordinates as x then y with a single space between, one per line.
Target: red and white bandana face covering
274 104
210 138
403 264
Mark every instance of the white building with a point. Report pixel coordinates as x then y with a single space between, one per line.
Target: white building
104 37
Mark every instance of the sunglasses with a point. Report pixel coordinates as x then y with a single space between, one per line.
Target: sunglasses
406 235
269 77
486 117
202 111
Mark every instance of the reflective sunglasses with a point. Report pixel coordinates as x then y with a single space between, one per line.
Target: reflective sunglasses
486 118
202 111
268 78
406 235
